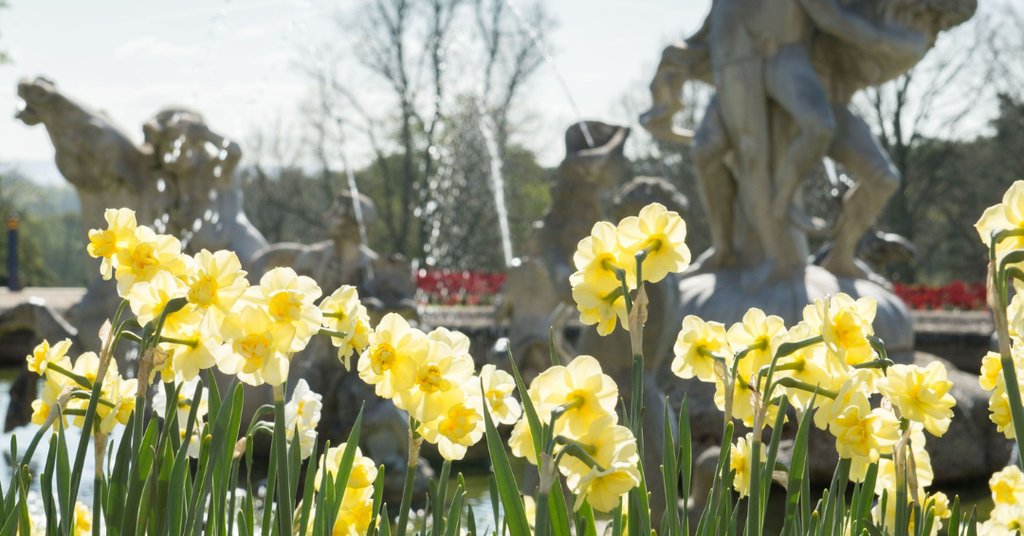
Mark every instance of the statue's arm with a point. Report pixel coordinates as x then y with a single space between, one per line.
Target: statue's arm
829 17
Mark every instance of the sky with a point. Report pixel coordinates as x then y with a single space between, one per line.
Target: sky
236 61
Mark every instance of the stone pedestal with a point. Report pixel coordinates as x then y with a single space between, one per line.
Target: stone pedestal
725 295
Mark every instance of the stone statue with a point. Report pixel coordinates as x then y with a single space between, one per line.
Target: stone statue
107 170
536 293
201 201
804 98
179 180
784 74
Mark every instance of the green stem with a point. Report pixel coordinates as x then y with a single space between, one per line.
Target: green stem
284 502
78 378
410 477
333 333
172 340
997 286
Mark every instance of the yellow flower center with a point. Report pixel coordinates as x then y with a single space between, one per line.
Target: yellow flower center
285 306
382 358
254 348
142 259
496 399
847 330
459 423
103 243
203 291
430 380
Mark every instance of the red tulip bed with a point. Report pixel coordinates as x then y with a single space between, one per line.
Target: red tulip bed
458 287
958 295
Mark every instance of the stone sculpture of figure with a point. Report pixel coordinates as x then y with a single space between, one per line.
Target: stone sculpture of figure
200 195
178 180
106 170
535 290
892 48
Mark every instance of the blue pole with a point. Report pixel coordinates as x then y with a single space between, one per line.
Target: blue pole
13 281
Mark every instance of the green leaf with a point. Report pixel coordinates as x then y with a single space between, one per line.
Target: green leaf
508 488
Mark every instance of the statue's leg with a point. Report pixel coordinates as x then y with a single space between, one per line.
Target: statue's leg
792 82
744 110
717 188
875 181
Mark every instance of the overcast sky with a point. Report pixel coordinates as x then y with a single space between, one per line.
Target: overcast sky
235 61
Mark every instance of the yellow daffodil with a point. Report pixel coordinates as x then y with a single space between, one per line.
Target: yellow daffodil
1007 486
440 379
289 299
105 243
362 475
740 461
498 387
999 412
302 415
845 325
598 255
43 355
662 233
257 349
148 299
810 366
194 348
613 450
1004 520
83 519
580 389
1005 216
858 383
520 441
600 303
862 431
459 427
391 360
760 333
145 256
697 344
344 313
991 371
53 385
215 282
921 394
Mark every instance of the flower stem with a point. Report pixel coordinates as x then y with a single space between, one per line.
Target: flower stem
410 477
284 502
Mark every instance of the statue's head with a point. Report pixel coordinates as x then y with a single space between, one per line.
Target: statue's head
38 95
593 152
341 218
168 126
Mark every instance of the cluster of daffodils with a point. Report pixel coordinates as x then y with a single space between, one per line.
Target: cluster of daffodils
208 313
597 456
827 362
67 388
356 511
1001 228
607 262
432 377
